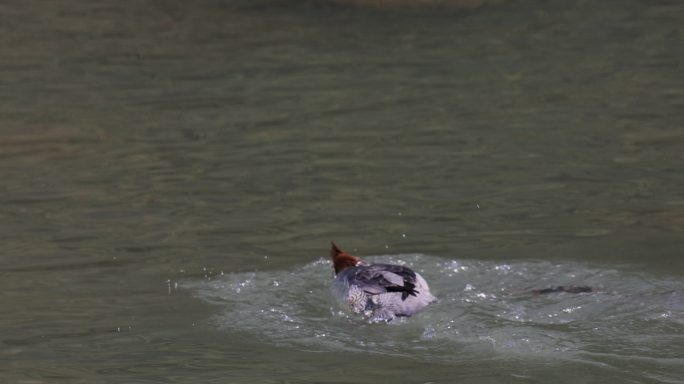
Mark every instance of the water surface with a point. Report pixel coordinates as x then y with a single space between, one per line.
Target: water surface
147 146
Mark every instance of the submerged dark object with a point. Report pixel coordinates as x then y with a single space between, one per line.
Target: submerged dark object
564 288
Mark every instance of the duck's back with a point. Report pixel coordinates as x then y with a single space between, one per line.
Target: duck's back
382 291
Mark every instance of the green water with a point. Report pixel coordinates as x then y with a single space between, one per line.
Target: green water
148 146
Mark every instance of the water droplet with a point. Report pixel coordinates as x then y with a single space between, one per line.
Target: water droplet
429 334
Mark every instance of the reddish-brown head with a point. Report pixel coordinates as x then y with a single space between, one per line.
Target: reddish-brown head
342 260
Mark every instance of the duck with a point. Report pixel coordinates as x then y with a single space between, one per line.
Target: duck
379 292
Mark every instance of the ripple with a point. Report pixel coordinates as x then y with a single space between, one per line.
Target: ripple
486 310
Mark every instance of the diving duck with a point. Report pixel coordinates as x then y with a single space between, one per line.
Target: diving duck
380 292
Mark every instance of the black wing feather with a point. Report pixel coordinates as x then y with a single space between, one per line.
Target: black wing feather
372 276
